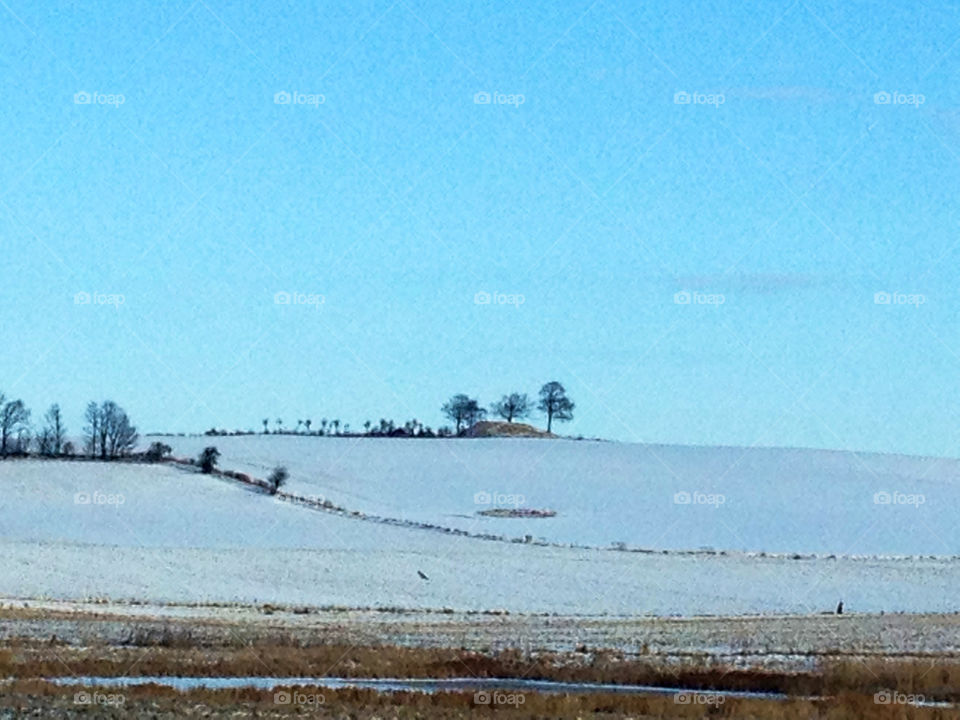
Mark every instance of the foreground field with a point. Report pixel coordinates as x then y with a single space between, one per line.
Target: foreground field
81 530
94 650
784 642
119 573
31 699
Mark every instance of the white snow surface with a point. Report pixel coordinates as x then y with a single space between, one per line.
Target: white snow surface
182 537
749 499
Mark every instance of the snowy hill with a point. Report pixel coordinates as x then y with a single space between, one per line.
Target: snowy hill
646 496
78 530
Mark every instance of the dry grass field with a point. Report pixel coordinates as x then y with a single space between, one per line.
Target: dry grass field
264 645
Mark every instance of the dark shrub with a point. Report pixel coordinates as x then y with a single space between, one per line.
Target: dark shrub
208 459
277 478
157 452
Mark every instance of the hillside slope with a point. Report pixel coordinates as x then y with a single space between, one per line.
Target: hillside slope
156 533
646 496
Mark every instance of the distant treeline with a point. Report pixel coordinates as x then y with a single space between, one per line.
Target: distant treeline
108 435
462 411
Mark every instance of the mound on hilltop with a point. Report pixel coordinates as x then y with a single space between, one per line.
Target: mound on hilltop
496 428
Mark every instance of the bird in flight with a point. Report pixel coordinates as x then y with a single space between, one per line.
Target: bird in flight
422 576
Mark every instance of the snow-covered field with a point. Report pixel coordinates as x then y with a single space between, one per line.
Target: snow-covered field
751 499
75 530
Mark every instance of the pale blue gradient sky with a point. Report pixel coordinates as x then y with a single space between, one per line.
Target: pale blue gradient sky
399 198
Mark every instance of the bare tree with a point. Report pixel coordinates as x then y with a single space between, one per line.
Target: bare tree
22 446
555 403
44 443
14 417
121 434
514 406
54 430
105 408
109 432
92 429
463 411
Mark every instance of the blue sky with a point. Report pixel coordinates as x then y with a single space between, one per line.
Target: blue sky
587 188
